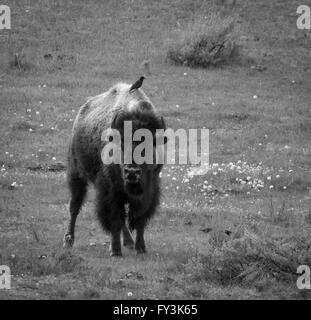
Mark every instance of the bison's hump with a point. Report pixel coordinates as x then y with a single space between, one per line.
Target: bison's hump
100 109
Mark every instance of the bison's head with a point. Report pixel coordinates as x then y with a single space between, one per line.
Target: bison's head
139 139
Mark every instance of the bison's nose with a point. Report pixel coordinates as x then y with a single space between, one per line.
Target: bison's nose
132 174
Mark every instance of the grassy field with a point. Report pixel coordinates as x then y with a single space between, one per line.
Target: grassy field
256 195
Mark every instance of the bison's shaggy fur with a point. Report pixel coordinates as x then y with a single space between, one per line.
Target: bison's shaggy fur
117 185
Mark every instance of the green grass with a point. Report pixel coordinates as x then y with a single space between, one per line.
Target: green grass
258 187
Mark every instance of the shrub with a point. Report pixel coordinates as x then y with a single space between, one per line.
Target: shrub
249 259
20 61
205 41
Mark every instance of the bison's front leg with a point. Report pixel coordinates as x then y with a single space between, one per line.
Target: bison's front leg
138 223
115 244
111 214
114 226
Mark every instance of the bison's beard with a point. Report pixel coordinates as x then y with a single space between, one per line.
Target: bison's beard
133 189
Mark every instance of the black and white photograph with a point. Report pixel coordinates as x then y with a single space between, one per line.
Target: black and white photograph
155 150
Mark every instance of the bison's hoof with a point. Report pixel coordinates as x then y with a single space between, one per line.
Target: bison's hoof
68 241
129 244
116 254
140 250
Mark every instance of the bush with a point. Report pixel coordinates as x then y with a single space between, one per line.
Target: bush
249 259
206 41
20 61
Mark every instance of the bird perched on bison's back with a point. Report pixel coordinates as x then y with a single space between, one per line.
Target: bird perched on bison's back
137 84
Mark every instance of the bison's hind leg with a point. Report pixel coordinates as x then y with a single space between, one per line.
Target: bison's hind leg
127 238
78 189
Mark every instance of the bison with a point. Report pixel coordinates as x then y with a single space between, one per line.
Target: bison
123 191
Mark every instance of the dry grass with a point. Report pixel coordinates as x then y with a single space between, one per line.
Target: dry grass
203 42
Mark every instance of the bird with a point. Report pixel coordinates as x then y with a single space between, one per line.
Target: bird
137 84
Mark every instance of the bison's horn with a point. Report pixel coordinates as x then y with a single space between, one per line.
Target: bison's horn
118 118
114 121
